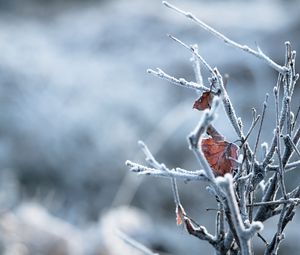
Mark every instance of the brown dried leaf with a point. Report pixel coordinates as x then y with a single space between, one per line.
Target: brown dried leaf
220 154
204 101
180 214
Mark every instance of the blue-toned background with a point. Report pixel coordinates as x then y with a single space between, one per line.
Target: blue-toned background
75 98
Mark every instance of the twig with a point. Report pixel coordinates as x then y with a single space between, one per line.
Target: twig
196 54
199 232
133 243
269 194
229 107
221 222
217 76
243 183
172 173
278 202
243 234
179 82
271 151
273 246
242 188
278 237
289 148
259 54
253 124
296 118
278 149
292 165
293 145
153 162
263 239
194 138
259 172
196 65
261 123
256 173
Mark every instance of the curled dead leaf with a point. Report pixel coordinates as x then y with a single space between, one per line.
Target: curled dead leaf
180 214
220 154
204 101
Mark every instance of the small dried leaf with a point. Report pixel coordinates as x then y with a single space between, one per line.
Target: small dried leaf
180 214
220 154
204 101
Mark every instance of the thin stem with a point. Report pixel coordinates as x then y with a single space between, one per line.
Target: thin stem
199 232
261 123
259 54
194 138
271 151
172 173
277 202
293 145
253 124
175 192
192 49
229 107
296 117
258 172
243 234
278 149
179 82
196 65
133 243
263 239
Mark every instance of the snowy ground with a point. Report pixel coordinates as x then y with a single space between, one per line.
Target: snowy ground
75 98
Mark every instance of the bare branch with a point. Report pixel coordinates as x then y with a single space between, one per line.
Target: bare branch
282 118
273 246
261 123
172 173
199 232
194 138
253 124
259 54
229 107
236 196
292 143
133 243
243 234
296 118
196 54
179 82
196 65
154 163
259 172
295 201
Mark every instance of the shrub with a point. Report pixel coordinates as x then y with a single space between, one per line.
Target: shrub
232 172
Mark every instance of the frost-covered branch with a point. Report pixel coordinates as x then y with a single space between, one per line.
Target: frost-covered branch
196 54
135 244
179 82
259 54
288 167
196 65
234 179
295 201
195 136
244 234
229 107
172 173
200 232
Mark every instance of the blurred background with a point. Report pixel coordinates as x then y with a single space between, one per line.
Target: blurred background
75 98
